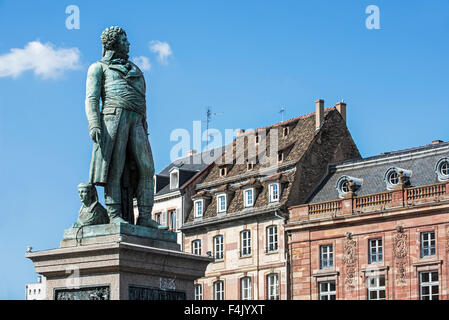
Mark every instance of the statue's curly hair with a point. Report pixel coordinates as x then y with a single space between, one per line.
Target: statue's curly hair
110 36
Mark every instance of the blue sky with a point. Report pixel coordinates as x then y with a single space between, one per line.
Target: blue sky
243 58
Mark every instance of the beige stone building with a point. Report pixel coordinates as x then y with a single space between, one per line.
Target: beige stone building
239 206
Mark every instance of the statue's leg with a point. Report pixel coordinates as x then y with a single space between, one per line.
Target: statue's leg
112 188
141 149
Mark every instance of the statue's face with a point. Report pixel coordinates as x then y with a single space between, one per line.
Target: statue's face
123 44
84 194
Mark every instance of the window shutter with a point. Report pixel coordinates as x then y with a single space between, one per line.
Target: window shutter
164 218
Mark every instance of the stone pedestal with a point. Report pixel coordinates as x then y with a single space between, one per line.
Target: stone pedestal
118 262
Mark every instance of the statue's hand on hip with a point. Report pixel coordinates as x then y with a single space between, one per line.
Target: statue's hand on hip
95 134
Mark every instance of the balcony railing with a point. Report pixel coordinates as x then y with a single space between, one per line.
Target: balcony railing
431 191
379 201
373 200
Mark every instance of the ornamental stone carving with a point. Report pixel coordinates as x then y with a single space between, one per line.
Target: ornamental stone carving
350 261
400 255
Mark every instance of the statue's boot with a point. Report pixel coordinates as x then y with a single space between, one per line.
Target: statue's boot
145 219
114 211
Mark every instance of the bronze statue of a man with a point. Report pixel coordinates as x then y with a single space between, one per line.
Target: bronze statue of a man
122 161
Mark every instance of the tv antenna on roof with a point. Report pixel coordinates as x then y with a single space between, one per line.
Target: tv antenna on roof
209 118
282 111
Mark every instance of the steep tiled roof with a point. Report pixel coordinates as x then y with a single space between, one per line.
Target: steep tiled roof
302 134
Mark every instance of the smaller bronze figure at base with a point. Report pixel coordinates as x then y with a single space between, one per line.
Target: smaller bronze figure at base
91 212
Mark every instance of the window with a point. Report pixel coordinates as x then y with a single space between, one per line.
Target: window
393 178
327 290
250 165
245 288
257 138
199 208
280 157
249 197
428 285
326 256
157 217
245 243
221 203
376 288
196 247
286 130
274 192
174 181
272 238
172 217
219 290
198 292
218 246
223 172
375 250
427 244
273 286
442 169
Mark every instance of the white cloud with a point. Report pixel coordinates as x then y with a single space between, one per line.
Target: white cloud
44 59
162 49
143 63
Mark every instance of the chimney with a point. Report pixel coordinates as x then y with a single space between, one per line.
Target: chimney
341 107
319 113
191 152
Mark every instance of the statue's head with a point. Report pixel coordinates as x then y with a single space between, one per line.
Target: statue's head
115 39
87 193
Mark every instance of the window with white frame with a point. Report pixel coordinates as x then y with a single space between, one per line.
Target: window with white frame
375 250
245 243
376 287
221 203
326 256
219 290
196 247
249 197
218 247
427 244
245 288
157 217
272 238
174 180
172 217
198 208
198 292
274 192
327 290
429 285
273 286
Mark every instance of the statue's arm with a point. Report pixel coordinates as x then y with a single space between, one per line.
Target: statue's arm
93 92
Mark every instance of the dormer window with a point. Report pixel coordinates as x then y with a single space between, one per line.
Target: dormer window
344 185
223 171
174 179
394 175
280 156
198 204
273 189
442 169
248 195
221 203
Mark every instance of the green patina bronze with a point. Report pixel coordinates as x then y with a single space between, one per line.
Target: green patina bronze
122 160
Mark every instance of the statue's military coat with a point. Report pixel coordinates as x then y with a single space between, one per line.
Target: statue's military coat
120 86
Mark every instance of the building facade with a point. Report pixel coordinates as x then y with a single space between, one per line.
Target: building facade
375 229
239 208
36 291
172 188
